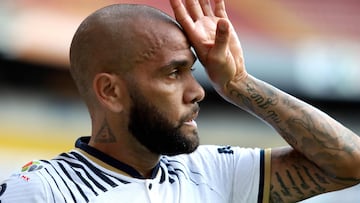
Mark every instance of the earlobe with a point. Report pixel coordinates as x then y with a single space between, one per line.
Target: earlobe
108 91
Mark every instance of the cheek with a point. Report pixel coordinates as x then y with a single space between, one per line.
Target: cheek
170 106
168 99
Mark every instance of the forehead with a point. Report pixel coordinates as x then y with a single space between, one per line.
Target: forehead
158 39
162 57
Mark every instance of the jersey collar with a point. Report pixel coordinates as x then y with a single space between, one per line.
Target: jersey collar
82 144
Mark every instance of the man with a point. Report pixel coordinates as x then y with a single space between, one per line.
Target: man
132 65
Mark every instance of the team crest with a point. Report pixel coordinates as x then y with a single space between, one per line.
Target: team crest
31 166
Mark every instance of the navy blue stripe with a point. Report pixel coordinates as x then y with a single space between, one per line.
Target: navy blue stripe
162 178
72 195
86 182
262 176
77 186
57 186
97 171
75 165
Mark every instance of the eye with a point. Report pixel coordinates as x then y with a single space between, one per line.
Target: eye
174 73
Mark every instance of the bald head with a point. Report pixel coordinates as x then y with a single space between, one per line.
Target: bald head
115 39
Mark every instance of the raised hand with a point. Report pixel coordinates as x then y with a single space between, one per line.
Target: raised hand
214 39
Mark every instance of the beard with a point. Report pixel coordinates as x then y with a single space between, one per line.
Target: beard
154 131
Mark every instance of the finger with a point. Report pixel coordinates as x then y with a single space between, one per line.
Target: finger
206 7
181 14
194 9
220 10
222 37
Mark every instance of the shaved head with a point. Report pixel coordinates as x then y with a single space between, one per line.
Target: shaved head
114 39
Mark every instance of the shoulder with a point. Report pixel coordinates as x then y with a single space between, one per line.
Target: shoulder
40 181
59 179
215 156
224 152
28 182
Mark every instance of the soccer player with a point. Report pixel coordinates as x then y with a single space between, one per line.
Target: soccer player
133 65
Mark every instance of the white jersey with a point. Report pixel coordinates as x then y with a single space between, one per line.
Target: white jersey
210 174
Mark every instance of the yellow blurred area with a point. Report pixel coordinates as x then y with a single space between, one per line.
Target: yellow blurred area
35 141
21 145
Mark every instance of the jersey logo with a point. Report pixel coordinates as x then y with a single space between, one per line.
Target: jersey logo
225 150
2 188
31 166
25 178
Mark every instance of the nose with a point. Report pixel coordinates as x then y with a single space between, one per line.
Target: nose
194 91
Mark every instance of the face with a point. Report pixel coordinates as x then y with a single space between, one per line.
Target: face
165 98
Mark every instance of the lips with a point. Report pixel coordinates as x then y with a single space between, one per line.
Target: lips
191 120
191 123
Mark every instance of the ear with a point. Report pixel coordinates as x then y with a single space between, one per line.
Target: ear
108 89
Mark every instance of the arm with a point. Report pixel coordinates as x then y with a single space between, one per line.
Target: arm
324 155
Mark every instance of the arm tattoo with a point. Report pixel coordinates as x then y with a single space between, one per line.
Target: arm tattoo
105 134
290 138
298 124
312 179
275 197
303 184
262 102
298 182
293 184
285 190
322 132
326 147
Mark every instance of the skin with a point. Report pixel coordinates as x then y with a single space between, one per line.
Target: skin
109 68
324 155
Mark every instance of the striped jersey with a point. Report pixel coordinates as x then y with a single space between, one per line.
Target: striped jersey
210 174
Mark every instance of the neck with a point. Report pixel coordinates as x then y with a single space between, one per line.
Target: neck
131 153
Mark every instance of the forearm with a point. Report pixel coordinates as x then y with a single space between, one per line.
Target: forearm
323 140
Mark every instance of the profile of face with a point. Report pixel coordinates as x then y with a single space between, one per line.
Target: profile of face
155 63
163 92
157 133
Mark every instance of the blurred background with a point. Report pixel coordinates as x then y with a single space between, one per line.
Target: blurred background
310 49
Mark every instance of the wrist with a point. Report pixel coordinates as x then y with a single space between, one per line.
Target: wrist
237 83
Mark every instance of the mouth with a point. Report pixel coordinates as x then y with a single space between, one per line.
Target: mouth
191 123
191 119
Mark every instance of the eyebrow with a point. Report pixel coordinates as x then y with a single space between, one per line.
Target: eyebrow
178 63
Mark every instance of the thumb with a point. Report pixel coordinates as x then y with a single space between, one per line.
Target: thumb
222 37
220 68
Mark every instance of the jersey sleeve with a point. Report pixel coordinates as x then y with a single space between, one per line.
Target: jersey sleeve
252 175
240 174
264 183
24 186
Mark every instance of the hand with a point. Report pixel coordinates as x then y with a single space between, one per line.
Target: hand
213 38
